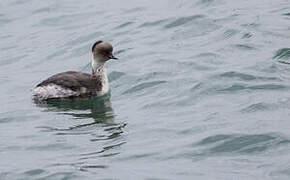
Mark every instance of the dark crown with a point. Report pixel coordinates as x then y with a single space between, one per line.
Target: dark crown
96 43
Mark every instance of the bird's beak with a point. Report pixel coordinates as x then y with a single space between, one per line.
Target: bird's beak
111 56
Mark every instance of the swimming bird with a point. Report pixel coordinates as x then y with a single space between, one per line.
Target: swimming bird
72 84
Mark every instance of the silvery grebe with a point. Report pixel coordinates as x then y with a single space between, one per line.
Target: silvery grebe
73 84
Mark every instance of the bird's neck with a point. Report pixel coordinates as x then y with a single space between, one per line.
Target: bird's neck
98 68
99 73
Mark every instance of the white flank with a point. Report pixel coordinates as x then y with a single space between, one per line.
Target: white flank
105 83
52 91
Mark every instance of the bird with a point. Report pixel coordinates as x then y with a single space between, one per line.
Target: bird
72 84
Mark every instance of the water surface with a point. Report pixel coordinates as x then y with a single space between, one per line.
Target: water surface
201 90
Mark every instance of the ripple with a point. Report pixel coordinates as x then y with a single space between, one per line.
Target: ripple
245 77
241 144
283 54
83 38
153 23
42 10
99 114
242 76
51 147
34 172
268 87
12 60
56 54
5 119
103 152
245 47
209 58
86 167
239 87
61 175
78 51
4 21
205 2
115 75
143 86
284 62
213 139
230 33
192 74
6 36
247 35
139 156
234 87
136 9
7 47
183 20
14 116
286 14
111 135
197 87
256 107
62 20
124 25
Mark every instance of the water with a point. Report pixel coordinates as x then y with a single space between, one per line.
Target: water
201 90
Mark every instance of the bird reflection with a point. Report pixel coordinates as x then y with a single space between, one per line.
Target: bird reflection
98 108
101 129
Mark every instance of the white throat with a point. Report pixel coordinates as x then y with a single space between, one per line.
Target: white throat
99 69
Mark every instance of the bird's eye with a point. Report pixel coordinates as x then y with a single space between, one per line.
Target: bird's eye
105 53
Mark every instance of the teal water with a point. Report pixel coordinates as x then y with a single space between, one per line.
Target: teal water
201 90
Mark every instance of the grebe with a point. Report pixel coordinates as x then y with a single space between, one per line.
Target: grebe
73 84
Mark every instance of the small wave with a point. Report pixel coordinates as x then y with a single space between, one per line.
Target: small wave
61 20
83 38
286 14
241 144
245 77
239 87
256 107
242 76
142 86
41 10
283 55
230 33
85 167
102 153
56 54
153 23
61 175
124 25
12 60
205 2
183 20
114 75
34 172
244 47
234 87
268 87
247 35
4 21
